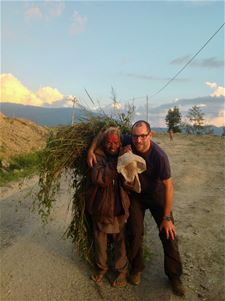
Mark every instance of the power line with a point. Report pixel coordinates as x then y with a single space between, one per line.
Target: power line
191 59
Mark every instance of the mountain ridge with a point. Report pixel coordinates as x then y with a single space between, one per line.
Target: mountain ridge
42 115
52 117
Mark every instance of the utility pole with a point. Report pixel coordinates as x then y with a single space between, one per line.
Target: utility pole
147 108
74 101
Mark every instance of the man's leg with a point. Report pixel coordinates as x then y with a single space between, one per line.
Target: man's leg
135 229
172 260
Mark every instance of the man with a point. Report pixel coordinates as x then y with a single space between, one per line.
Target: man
157 196
108 204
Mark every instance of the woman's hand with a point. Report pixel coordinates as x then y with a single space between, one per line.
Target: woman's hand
125 149
91 158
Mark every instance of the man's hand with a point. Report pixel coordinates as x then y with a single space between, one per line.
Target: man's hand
91 158
169 228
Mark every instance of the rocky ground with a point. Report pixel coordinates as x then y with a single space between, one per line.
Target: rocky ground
19 136
37 264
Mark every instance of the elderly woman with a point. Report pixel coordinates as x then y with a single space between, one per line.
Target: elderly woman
108 204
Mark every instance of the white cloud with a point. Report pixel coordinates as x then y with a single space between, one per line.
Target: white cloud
78 23
138 113
218 90
34 11
211 85
212 107
56 8
210 62
49 95
117 105
219 120
12 90
44 10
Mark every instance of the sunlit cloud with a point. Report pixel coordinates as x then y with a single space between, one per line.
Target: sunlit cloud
212 107
33 12
219 120
44 10
49 95
78 23
117 105
56 8
12 90
218 90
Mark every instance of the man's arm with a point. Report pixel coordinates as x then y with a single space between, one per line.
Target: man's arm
168 226
91 158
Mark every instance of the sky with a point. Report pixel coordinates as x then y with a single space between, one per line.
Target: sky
54 49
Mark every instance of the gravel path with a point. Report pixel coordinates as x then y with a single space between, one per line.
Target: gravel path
37 264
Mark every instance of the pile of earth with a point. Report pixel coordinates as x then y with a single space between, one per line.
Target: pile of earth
20 136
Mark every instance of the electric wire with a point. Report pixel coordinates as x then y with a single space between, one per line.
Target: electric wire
184 67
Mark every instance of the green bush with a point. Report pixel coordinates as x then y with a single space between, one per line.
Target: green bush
20 167
27 161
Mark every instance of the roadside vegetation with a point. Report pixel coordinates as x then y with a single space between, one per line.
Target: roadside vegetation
19 167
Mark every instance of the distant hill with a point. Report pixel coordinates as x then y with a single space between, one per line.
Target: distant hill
58 116
19 136
42 115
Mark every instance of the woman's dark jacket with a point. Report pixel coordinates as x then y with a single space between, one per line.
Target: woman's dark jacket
106 197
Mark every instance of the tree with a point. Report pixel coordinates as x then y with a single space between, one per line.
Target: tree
173 120
195 116
223 132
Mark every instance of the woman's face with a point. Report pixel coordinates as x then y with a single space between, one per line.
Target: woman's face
112 144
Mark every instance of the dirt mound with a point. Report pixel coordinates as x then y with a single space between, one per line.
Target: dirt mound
19 136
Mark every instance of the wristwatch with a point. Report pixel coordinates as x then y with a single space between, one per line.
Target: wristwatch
167 218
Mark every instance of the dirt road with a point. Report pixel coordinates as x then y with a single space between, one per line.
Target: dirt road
37 264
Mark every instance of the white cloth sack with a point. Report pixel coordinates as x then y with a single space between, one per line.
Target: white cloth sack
130 165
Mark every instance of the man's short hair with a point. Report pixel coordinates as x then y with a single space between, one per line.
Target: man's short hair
140 123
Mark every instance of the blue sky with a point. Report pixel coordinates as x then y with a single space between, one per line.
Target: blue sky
52 49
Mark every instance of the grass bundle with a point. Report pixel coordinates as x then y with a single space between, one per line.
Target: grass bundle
66 150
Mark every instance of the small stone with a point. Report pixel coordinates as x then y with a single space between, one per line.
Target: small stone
203 286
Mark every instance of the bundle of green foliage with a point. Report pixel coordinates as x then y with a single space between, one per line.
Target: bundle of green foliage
66 150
